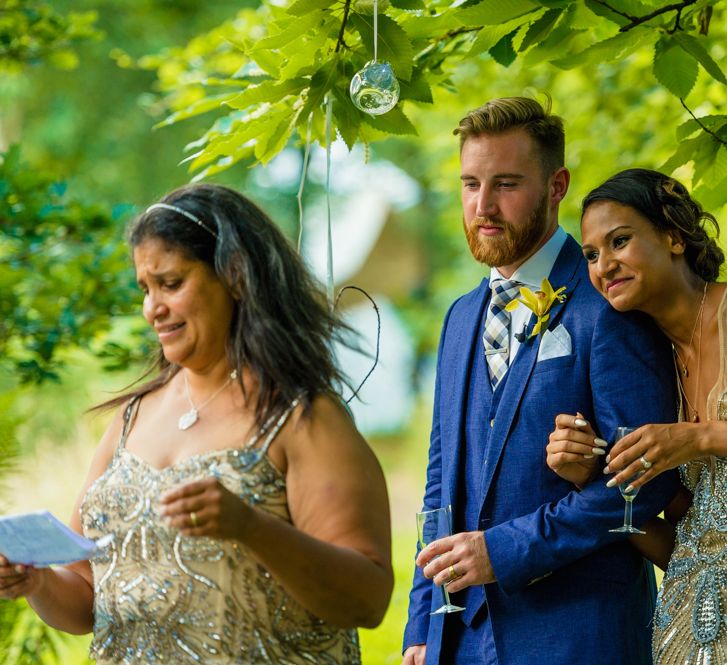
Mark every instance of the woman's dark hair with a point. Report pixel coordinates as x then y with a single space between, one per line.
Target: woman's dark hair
282 328
666 203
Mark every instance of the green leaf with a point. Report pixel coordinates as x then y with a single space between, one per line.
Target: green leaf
268 91
541 28
710 165
408 4
716 123
393 43
294 28
417 89
423 27
321 82
608 50
696 49
490 36
201 106
393 122
346 117
304 7
503 52
494 12
684 153
675 69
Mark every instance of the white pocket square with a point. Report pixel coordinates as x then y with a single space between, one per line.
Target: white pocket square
555 344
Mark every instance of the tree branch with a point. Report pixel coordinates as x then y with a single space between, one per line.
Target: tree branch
339 41
638 20
702 125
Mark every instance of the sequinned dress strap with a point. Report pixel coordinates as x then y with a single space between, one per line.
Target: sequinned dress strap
129 414
271 427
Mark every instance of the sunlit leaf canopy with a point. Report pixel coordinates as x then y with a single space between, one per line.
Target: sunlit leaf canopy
263 73
637 83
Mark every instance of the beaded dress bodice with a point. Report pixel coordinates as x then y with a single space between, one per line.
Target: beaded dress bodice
161 597
690 624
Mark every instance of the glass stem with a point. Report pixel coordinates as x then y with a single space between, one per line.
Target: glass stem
627 511
445 593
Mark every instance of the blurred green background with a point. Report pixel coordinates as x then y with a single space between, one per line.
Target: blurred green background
81 155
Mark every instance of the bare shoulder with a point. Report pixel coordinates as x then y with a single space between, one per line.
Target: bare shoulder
327 424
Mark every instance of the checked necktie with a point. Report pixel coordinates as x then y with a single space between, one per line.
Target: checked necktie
497 329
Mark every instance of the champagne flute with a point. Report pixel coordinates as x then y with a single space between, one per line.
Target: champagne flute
628 494
432 525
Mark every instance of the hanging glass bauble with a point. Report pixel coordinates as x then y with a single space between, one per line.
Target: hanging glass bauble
374 89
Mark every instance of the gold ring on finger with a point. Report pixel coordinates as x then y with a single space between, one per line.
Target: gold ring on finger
452 573
193 518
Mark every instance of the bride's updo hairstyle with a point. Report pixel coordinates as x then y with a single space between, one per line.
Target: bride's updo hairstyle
666 203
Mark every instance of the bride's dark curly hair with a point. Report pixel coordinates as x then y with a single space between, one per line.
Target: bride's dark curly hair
667 204
282 328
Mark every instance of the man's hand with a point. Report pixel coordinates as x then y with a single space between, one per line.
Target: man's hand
458 561
415 655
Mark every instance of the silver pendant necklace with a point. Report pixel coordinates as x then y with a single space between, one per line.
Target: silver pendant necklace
189 418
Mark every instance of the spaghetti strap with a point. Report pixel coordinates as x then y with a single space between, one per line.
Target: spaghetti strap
129 414
276 427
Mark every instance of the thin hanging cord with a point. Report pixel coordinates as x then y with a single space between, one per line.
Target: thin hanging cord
376 28
303 173
329 271
378 336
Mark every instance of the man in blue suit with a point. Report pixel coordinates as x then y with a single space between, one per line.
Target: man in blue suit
532 559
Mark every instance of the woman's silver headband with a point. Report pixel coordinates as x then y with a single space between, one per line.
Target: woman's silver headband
188 215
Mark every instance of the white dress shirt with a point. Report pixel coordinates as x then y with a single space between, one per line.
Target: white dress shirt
531 274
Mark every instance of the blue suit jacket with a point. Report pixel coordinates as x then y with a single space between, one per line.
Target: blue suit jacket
567 590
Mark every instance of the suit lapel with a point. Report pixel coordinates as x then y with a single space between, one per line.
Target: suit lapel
564 273
464 343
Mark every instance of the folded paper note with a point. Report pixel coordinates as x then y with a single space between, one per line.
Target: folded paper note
40 539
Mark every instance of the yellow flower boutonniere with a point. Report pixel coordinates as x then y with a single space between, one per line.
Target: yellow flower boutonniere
539 302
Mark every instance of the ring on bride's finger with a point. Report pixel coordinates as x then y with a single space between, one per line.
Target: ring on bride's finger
645 463
193 517
452 573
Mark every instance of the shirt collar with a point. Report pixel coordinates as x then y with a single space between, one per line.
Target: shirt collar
539 265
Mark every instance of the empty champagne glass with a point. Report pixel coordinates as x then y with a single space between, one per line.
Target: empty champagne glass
432 525
628 495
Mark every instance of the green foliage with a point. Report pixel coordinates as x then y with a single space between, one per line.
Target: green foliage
64 270
260 64
31 31
26 640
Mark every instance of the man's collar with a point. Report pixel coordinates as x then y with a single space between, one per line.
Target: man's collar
539 265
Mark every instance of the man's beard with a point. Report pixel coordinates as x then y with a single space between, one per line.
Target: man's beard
516 242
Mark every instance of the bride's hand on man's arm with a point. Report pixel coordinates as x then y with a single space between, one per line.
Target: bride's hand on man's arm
574 450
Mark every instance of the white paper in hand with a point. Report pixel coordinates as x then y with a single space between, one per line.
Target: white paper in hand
40 539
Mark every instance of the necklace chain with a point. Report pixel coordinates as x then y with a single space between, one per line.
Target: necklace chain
697 319
189 418
685 372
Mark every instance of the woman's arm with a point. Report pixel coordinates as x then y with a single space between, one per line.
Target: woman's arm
657 543
62 596
335 558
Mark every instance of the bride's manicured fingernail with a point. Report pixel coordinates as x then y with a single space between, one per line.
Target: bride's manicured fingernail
629 489
600 442
611 482
580 422
588 456
599 451
608 458
606 469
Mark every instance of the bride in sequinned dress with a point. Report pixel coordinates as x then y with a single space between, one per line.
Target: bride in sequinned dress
249 519
645 240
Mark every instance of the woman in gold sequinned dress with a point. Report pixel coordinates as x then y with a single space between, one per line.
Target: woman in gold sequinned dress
249 518
645 240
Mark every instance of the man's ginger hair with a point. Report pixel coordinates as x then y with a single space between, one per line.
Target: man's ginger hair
499 116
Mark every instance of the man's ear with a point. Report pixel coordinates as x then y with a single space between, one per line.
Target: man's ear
559 182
